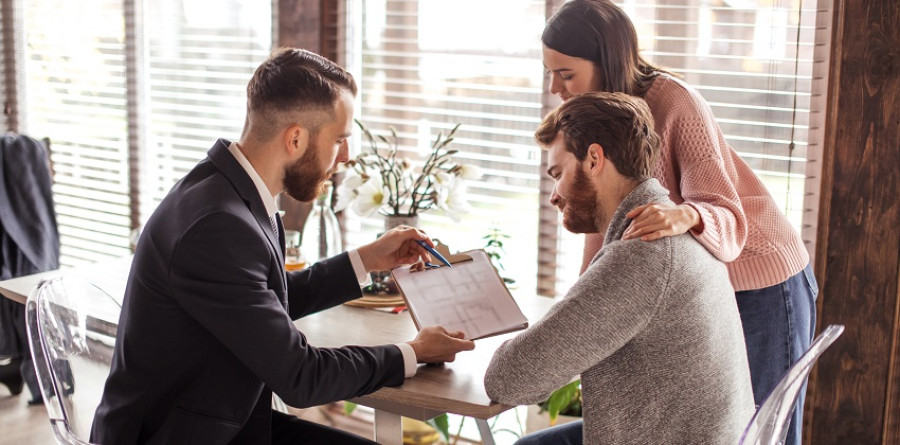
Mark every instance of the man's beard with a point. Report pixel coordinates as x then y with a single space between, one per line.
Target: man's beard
304 179
580 214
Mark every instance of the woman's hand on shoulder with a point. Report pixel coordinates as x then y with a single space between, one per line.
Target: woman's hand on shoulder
657 220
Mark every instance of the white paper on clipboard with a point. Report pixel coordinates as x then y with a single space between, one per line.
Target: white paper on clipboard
469 297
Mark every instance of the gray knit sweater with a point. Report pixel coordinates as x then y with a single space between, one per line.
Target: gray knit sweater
653 329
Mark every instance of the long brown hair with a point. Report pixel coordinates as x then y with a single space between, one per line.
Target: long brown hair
597 30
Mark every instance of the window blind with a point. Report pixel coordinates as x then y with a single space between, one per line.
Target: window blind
754 63
422 67
201 54
74 88
138 108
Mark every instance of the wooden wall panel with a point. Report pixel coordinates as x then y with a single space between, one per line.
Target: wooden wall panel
299 24
311 25
853 395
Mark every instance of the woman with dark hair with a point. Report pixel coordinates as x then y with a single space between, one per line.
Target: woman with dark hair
591 45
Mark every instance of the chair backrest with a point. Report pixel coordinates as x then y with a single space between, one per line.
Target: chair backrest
769 425
71 332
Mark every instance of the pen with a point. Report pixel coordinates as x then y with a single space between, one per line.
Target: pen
434 252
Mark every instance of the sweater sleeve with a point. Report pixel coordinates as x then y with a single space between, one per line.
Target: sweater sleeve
704 172
608 306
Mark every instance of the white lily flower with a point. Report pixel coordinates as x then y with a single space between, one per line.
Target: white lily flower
396 184
452 200
344 199
444 179
352 181
346 192
370 197
469 171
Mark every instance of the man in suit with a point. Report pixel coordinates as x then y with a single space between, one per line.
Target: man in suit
206 331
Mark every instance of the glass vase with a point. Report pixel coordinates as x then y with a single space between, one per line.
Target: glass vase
391 221
321 233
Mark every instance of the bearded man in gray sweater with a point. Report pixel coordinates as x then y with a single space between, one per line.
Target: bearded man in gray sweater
651 327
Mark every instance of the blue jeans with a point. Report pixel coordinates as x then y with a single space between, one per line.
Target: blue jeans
565 434
779 324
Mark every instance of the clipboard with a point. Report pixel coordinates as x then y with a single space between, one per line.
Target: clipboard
469 297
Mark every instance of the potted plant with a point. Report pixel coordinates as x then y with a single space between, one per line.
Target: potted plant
379 180
494 248
563 406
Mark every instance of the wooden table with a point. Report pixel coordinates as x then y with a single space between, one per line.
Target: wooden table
109 275
456 387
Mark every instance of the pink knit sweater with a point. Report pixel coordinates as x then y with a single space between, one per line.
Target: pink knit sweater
742 225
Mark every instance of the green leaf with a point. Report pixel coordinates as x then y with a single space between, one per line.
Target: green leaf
349 407
561 399
442 424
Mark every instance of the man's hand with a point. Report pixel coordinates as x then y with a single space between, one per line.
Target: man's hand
654 221
435 344
395 248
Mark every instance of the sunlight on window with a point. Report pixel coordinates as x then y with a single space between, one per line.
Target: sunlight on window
74 81
421 75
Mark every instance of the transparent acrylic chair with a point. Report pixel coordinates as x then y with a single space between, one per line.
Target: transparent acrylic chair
770 423
71 332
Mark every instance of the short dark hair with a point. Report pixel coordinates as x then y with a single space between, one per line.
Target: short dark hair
620 123
294 80
599 31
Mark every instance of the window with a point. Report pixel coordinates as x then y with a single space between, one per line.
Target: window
423 66
129 114
122 111
74 85
754 63
200 55
421 72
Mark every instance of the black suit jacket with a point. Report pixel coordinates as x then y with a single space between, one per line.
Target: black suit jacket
29 240
205 336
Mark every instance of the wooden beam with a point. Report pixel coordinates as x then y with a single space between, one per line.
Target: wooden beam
311 25
299 24
855 393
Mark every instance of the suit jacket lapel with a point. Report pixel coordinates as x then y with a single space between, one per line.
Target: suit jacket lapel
281 244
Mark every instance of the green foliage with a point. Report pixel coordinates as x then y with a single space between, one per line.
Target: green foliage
442 424
494 248
565 401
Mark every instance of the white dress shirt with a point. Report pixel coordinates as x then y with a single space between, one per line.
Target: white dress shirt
409 355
